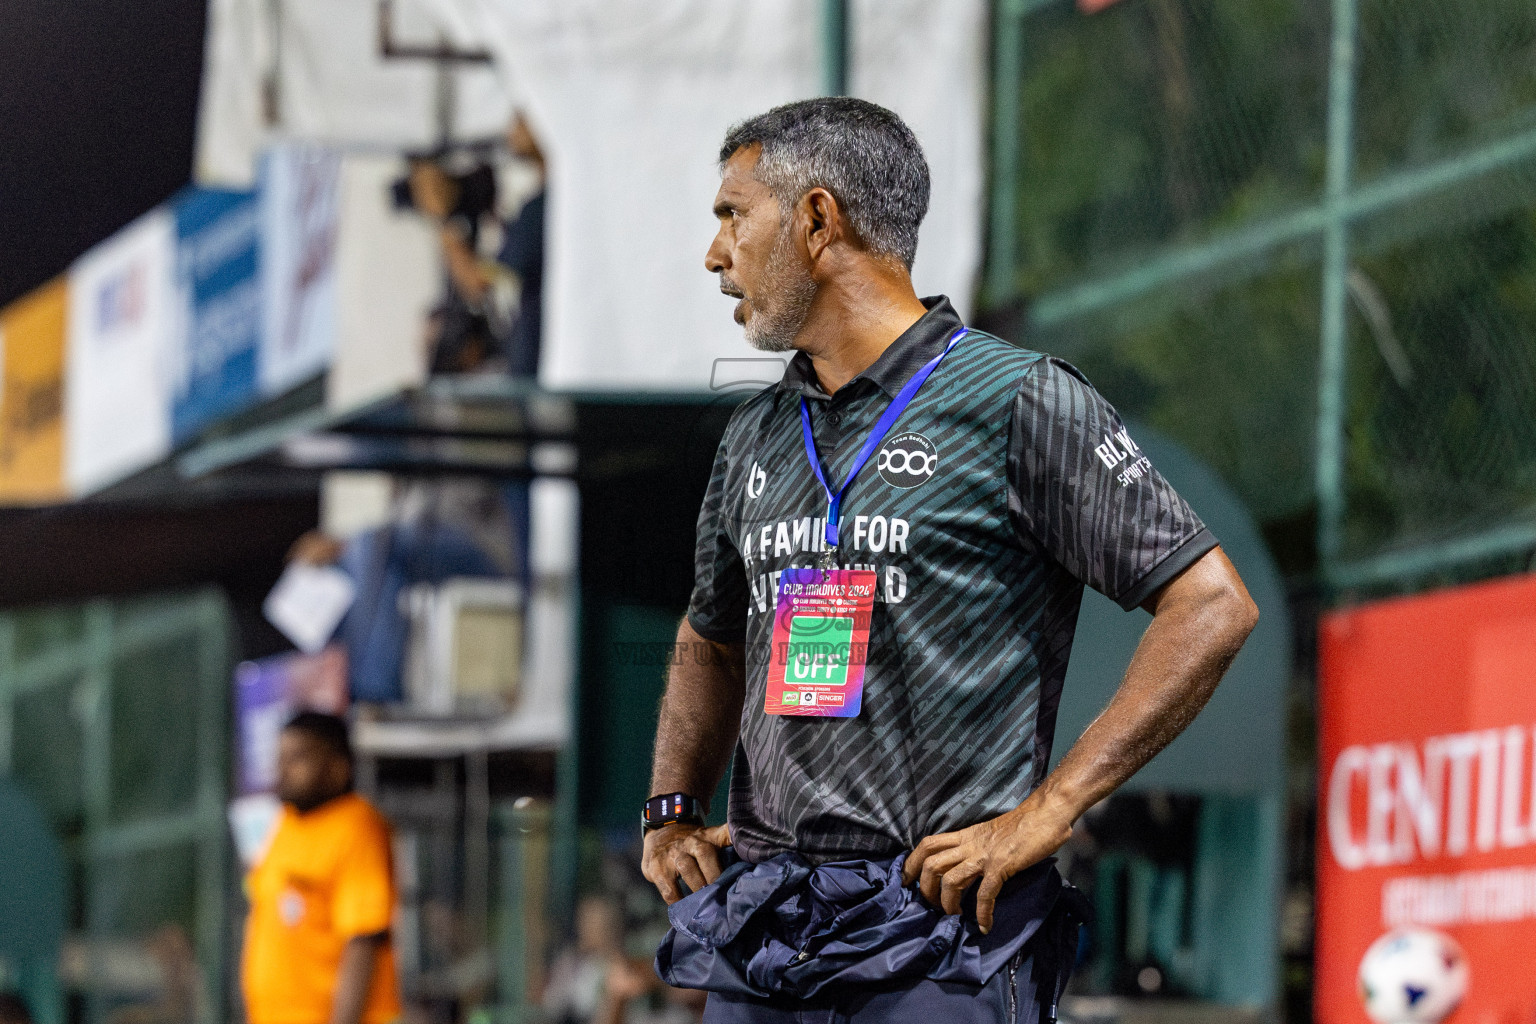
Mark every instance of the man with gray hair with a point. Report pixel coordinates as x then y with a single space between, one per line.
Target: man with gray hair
890 558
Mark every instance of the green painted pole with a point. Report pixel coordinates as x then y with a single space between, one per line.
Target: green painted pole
1426 559
7 694
213 841
1252 245
1003 225
96 789
1233 249
565 826
1331 391
834 47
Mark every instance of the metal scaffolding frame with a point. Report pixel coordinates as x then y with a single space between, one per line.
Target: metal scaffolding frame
1239 253
90 664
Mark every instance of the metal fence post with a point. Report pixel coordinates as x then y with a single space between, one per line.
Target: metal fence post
97 788
1331 371
212 871
1002 227
7 694
834 47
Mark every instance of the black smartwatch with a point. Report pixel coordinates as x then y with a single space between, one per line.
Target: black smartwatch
670 808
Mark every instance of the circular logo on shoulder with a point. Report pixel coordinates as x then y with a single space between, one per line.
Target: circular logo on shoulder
290 908
906 460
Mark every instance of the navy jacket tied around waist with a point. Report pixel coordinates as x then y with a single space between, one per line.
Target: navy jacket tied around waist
785 928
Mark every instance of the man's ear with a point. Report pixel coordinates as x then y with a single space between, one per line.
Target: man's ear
823 221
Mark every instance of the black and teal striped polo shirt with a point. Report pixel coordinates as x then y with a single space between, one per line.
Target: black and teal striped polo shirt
1007 485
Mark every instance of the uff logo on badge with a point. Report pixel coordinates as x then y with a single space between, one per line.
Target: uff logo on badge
907 460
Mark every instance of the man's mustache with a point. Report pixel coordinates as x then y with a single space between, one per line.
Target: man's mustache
728 287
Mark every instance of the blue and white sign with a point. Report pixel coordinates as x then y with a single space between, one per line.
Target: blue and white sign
299 196
122 335
218 244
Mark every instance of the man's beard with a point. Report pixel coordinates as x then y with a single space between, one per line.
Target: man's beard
773 328
309 800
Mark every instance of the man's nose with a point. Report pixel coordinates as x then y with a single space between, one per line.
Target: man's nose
716 258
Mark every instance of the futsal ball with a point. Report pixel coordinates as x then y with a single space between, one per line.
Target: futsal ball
1413 976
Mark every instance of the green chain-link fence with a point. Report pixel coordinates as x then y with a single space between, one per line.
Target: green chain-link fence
113 720
1300 237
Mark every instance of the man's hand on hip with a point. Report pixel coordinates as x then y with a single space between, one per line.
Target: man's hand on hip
992 851
1200 619
689 852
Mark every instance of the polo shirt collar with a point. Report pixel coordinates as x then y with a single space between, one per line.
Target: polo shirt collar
896 365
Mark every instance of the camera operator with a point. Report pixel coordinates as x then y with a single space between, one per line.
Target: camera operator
458 203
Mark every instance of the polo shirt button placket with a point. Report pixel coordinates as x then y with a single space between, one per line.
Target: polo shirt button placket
830 434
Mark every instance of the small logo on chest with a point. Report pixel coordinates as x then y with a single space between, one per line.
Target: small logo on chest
907 460
290 908
757 479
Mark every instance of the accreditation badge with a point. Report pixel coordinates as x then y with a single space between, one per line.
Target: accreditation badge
820 642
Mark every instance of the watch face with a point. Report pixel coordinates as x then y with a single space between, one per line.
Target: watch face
663 810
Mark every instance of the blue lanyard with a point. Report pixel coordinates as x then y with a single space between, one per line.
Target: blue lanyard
882 427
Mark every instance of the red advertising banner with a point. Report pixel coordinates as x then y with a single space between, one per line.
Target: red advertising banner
1426 848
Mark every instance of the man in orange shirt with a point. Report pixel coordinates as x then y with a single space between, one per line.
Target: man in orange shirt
317 945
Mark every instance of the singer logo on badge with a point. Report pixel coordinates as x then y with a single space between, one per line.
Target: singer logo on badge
907 460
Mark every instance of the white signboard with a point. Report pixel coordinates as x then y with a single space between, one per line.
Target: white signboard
299 198
123 328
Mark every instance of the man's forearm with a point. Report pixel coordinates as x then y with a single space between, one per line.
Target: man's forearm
700 715
354 979
1199 623
469 280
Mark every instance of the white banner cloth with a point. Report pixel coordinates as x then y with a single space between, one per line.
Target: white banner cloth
633 98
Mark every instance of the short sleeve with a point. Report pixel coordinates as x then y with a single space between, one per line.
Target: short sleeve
1081 490
522 246
718 608
363 897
